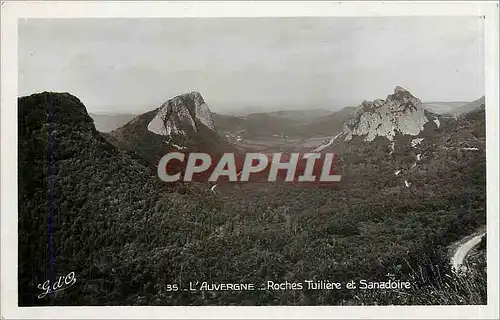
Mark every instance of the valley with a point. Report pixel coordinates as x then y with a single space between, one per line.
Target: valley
281 144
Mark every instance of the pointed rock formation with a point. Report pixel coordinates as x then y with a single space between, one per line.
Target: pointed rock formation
182 114
401 113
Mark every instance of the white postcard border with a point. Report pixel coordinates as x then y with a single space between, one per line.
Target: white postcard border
11 11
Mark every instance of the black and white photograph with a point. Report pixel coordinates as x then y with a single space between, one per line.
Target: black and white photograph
252 161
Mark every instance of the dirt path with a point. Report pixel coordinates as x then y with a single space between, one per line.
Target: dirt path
463 250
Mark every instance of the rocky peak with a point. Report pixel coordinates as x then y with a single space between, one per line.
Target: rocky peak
400 113
403 98
182 114
400 89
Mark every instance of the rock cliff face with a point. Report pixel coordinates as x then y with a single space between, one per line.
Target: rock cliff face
182 123
400 113
182 114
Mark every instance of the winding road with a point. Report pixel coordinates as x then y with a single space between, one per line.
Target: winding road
463 250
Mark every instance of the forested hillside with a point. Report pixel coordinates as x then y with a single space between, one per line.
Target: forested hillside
128 236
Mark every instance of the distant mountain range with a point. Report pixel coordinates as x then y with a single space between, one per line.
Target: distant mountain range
453 107
106 122
443 107
298 123
470 106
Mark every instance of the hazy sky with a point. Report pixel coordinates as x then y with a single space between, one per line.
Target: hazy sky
133 65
